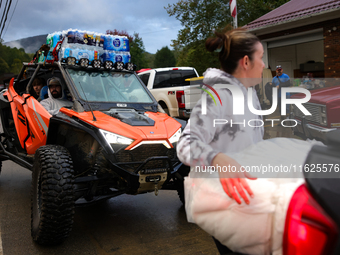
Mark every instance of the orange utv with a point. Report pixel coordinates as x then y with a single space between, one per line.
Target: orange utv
113 140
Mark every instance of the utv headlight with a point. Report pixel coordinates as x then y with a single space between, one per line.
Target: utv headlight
96 63
175 137
108 65
84 62
119 65
71 61
130 66
116 142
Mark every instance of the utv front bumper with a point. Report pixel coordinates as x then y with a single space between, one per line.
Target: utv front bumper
122 175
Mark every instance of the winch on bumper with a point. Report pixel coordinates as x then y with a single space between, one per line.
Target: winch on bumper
147 168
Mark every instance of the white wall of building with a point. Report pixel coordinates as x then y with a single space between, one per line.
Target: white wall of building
310 51
291 56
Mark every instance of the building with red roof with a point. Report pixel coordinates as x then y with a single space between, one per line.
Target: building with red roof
303 37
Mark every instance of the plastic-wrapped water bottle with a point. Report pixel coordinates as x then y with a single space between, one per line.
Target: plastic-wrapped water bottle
49 40
56 37
90 55
108 42
96 54
49 56
41 57
119 56
126 44
61 53
88 39
127 57
79 35
108 55
71 37
92 41
65 53
116 43
97 39
83 54
101 41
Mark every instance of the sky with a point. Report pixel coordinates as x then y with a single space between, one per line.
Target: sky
146 17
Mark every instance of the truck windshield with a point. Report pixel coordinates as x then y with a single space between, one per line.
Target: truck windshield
109 86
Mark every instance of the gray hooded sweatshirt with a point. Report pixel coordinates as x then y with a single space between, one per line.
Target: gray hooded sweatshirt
53 105
219 130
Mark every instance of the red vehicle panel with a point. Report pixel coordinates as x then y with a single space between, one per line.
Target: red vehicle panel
39 117
324 106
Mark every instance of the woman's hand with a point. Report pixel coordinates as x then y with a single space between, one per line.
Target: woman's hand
232 181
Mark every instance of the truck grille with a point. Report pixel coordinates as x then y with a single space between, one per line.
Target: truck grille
314 109
144 152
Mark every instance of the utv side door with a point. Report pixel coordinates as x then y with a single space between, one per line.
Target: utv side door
38 121
31 120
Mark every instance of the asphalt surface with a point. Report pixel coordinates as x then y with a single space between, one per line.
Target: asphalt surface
125 225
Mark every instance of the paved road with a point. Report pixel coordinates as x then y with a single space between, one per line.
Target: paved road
125 225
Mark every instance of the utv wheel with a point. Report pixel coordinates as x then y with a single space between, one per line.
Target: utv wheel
182 172
180 191
52 196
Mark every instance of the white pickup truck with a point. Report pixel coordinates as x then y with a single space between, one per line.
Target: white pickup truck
176 89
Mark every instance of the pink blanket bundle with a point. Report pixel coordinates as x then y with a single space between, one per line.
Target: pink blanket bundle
256 228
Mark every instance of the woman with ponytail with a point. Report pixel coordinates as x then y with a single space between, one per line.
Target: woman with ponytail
206 141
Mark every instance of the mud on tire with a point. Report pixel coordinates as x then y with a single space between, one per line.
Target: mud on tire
52 195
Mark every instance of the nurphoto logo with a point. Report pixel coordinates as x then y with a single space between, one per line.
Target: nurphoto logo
238 102
209 93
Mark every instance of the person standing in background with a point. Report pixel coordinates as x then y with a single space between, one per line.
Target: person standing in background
281 80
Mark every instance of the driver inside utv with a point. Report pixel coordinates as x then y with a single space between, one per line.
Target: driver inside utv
56 98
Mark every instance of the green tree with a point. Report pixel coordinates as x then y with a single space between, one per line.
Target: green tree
137 49
164 58
197 56
16 66
138 54
150 58
4 68
250 10
11 59
200 18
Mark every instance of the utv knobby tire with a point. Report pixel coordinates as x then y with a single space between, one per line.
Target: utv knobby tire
180 191
184 171
52 196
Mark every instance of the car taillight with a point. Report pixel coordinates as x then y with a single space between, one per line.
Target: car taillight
180 98
308 229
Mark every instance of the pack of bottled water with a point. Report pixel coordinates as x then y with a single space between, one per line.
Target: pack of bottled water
90 45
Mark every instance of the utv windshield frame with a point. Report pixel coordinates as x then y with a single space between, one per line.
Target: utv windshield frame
80 90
